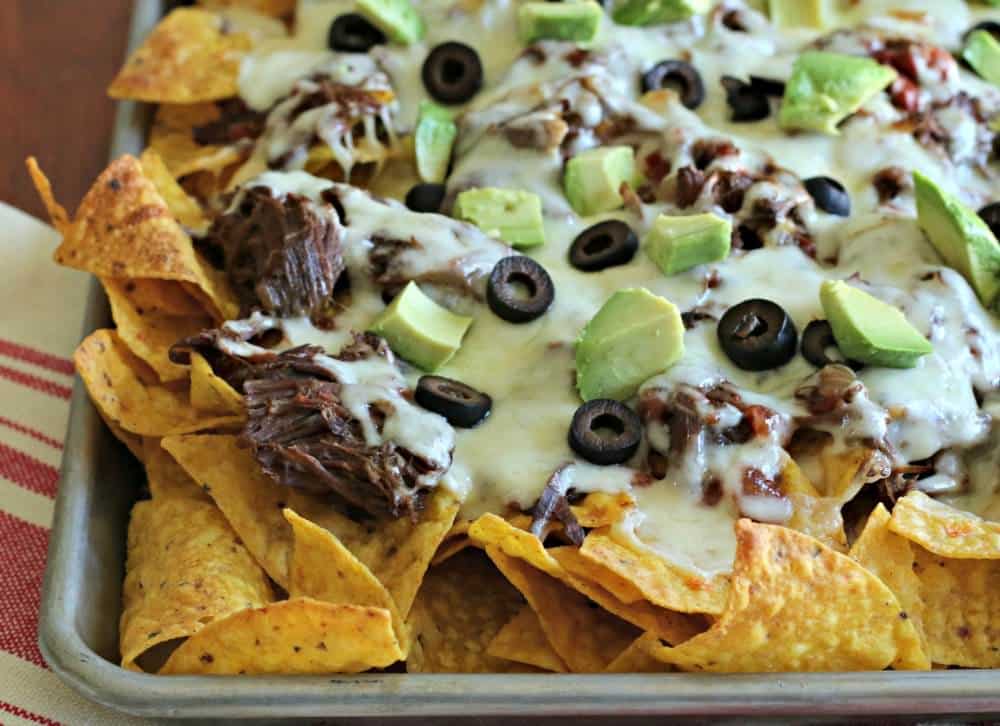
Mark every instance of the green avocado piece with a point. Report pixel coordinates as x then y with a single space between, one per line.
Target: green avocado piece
434 136
398 19
960 236
801 13
513 215
869 330
982 51
653 12
634 336
576 21
825 88
420 330
594 177
676 244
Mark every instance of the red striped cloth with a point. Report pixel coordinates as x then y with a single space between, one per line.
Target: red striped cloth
40 316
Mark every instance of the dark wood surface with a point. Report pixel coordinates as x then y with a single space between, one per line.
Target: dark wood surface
56 59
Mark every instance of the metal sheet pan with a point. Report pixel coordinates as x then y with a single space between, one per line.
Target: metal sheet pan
81 603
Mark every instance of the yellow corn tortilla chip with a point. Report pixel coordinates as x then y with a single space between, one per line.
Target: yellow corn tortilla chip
184 208
671 626
890 557
490 529
300 636
961 615
812 514
172 137
186 568
189 57
113 377
522 640
460 608
149 335
210 393
602 509
845 471
658 580
132 442
636 658
57 213
945 530
165 476
586 637
324 569
796 605
456 540
274 8
163 297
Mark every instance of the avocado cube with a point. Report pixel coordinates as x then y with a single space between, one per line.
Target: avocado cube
398 19
634 336
655 12
676 244
982 51
419 330
593 178
576 21
869 330
801 13
825 88
960 236
513 215
432 140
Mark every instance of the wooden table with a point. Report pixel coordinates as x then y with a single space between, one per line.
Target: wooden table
56 58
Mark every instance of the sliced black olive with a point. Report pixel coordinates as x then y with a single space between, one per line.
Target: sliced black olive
817 339
747 102
352 33
452 73
991 215
679 75
462 405
605 432
990 26
829 195
519 289
757 335
605 244
768 86
425 197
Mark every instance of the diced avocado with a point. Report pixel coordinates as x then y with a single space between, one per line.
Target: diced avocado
593 178
653 12
982 51
432 140
960 236
801 13
398 19
825 88
634 336
576 21
676 244
869 330
513 215
420 330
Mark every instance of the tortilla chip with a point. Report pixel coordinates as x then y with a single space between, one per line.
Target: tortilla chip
274 8
163 297
671 626
57 213
184 208
796 605
602 509
300 636
490 529
113 377
186 568
172 137
461 607
961 615
324 569
210 393
132 442
636 658
945 530
456 540
165 476
658 580
844 472
890 557
189 57
522 640
586 637
150 335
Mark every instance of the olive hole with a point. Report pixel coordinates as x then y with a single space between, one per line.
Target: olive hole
598 244
521 286
751 326
456 393
607 427
452 71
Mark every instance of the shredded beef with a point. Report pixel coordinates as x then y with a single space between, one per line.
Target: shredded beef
889 183
236 122
829 391
553 504
281 254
